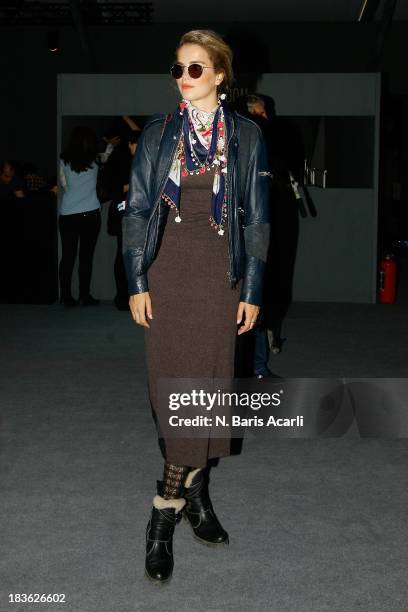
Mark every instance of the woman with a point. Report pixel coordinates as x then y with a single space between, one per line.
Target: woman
79 217
197 177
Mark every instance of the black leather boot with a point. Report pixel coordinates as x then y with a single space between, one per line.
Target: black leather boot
159 536
199 511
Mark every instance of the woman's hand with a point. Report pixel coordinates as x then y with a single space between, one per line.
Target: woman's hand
113 141
132 124
141 308
251 313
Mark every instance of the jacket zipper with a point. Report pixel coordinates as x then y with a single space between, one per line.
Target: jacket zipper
160 195
228 182
229 274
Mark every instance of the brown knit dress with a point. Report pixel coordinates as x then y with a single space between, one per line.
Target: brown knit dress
193 331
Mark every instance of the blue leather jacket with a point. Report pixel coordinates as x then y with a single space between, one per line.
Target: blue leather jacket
248 176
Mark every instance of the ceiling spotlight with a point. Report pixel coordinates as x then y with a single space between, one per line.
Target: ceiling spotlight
53 41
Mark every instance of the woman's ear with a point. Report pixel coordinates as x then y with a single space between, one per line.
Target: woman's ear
219 78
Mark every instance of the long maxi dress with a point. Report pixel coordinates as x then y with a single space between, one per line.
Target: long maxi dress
193 331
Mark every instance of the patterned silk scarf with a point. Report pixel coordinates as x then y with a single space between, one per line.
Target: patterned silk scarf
202 146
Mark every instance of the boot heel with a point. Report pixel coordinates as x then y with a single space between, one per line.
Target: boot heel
200 514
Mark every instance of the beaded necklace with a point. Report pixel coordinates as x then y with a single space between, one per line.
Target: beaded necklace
201 147
215 158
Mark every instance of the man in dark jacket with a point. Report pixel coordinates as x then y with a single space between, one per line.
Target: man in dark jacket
285 158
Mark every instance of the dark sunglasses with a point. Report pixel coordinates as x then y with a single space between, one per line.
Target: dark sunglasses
194 70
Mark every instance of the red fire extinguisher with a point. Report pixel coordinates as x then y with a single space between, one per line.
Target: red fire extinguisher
388 279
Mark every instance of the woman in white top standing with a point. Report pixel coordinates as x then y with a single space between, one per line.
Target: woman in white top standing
80 217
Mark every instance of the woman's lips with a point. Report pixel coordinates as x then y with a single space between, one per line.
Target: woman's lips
185 86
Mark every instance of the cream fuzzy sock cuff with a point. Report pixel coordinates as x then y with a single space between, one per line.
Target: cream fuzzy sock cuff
161 504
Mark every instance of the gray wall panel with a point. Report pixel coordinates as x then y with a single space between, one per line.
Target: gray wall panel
337 249
117 94
144 94
322 94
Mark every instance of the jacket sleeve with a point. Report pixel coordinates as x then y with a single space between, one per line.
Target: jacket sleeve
136 216
257 228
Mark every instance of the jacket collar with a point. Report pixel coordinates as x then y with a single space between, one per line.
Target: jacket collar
172 132
230 120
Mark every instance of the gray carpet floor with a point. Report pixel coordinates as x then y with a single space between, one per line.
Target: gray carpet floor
315 525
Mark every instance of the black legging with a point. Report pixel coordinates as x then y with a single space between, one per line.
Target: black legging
82 227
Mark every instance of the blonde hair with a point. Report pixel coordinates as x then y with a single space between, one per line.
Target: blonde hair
218 51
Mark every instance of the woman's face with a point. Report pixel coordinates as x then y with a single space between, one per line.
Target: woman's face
257 108
7 174
204 89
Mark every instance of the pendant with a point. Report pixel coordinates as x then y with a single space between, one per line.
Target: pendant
177 219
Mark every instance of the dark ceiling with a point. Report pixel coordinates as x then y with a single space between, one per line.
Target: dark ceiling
179 11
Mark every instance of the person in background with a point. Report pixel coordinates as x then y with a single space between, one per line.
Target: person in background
32 180
79 215
10 183
120 163
134 127
285 160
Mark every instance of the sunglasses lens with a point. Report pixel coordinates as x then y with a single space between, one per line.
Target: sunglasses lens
195 71
176 71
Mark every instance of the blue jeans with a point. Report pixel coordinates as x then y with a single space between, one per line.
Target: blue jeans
261 353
